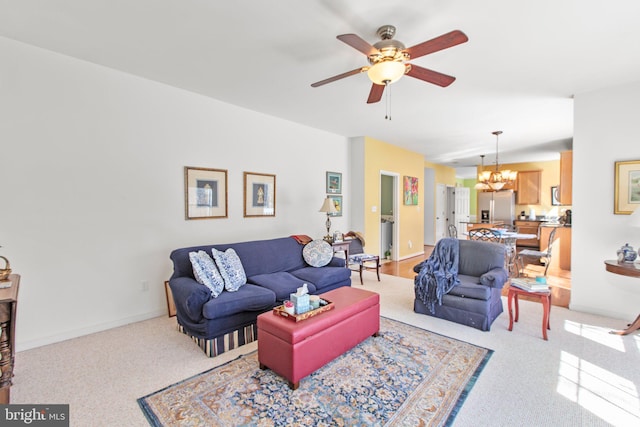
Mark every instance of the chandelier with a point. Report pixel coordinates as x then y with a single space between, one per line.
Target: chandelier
495 180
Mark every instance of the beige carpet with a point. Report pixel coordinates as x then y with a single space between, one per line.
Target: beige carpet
582 376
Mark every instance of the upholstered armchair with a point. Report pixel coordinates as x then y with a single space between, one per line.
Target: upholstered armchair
476 300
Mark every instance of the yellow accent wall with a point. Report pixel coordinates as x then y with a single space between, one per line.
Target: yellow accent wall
381 156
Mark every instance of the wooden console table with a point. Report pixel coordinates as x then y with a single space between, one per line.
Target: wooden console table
8 305
624 269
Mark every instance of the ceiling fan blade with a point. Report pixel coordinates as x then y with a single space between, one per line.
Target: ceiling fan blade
358 43
375 94
430 76
338 77
445 41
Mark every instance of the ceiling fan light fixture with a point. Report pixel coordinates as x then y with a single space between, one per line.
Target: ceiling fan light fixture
386 72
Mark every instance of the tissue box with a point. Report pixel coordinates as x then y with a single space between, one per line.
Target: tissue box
300 302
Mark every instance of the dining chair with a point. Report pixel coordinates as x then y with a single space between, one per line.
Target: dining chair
544 256
485 234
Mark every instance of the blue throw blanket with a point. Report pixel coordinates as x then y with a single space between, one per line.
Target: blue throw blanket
439 273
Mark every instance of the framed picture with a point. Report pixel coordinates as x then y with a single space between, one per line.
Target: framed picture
334 183
259 194
205 193
555 196
337 202
410 190
627 187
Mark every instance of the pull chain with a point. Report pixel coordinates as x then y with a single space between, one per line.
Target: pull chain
388 101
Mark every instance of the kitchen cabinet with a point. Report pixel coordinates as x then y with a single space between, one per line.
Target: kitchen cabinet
561 251
528 227
566 172
528 186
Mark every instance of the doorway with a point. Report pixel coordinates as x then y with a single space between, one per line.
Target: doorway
388 215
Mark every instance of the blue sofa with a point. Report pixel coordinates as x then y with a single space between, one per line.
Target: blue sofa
476 301
274 268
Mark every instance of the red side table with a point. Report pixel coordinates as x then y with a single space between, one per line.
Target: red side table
545 298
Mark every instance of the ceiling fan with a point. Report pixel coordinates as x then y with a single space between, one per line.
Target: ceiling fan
389 58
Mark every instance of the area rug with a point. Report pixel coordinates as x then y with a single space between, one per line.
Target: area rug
405 376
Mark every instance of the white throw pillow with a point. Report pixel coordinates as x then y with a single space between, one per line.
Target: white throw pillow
206 272
317 253
231 268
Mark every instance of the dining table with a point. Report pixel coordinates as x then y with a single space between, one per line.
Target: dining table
509 239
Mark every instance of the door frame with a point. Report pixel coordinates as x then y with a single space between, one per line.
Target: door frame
395 228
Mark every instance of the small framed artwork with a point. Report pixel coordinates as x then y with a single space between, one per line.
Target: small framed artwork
334 183
205 193
627 187
259 194
555 196
410 190
337 202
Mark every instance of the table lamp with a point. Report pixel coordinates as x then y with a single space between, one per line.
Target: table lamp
329 208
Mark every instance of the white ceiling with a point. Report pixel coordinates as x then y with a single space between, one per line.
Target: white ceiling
517 73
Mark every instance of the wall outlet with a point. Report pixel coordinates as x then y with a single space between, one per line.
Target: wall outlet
410 244
144 285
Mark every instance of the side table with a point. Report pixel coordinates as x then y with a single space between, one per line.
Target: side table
545 298
8 306
342 247
630 270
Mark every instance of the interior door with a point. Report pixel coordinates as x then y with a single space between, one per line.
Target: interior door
441 211
462 208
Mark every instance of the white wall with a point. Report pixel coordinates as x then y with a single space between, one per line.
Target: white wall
607 130
92 186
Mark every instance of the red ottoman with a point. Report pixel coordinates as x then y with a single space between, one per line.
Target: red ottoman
295 350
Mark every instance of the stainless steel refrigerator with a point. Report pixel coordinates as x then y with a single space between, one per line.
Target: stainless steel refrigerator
500 204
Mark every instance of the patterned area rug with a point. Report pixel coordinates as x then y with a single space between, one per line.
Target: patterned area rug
406 376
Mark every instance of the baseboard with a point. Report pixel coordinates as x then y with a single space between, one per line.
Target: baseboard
75 333
421 253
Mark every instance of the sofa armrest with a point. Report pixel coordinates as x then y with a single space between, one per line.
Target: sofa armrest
189 297
495 278
336 262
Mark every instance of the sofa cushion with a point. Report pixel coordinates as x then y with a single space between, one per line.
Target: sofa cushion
470 287
322 277
282 284
317 253
230 268
247 298
206 272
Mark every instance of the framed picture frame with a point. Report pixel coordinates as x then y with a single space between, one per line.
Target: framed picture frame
410 190
555 196
259 194
334 183
627 187
205 193
337 202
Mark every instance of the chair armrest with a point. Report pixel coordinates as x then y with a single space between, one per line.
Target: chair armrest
336 262
189 297
418 267
495 278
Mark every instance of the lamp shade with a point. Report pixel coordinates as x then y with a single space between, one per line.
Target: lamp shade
328 206
386 72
